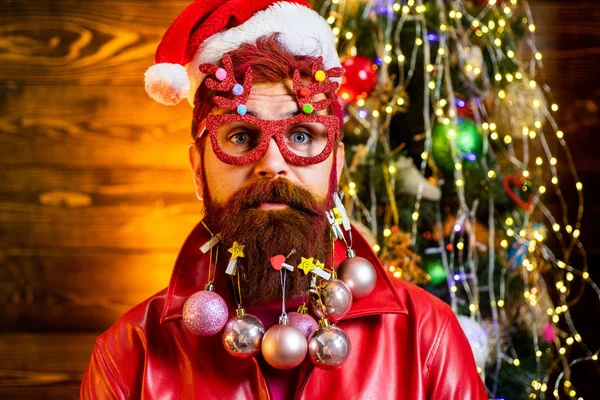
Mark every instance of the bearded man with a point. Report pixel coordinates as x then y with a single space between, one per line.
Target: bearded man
266 160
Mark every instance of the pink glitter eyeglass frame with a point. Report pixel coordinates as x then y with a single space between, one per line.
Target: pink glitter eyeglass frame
272 128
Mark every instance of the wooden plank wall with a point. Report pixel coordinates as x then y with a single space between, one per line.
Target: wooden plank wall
96 195
95 192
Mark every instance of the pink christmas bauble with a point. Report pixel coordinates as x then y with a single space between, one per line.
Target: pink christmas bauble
336 300
242 336
359 275
284 346
329 347
204 313
304 322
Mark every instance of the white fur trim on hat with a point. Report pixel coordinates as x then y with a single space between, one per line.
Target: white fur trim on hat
302 30
167 83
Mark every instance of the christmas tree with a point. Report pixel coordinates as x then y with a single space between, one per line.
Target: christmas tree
449 154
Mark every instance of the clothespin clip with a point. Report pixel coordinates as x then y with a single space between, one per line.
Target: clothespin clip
211 243
307 265
335 227
237 252
341 211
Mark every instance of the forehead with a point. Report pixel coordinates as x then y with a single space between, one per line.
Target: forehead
272 100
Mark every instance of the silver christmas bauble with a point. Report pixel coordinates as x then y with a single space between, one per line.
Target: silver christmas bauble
336 299
329 347
304 322
204 313
359 275
242 335
284 346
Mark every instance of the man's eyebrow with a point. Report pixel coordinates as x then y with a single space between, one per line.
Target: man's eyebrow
257 114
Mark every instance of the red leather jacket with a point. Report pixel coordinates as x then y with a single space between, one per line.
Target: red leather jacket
406 344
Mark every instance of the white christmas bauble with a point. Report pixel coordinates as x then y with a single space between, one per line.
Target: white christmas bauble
477 335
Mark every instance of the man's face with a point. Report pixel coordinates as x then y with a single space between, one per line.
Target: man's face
271 206
273 101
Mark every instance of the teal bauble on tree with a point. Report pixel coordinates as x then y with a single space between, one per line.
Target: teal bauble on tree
469 144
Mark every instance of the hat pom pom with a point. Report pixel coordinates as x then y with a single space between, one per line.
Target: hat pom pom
167 83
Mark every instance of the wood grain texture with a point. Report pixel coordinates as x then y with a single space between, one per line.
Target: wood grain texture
91 126
66 42
50 366
76 289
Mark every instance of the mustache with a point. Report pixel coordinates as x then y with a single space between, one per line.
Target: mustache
278 190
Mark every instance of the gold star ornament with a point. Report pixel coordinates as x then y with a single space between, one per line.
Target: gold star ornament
306 265
237 250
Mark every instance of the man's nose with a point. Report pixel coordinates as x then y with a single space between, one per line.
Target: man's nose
271 164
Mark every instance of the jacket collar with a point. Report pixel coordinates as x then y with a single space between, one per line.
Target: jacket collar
190 274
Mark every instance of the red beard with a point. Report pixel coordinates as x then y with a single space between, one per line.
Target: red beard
302 227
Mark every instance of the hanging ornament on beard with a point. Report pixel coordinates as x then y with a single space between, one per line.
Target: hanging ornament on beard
205 312
359 80
284 345
329 346
357 273
243 333
469 144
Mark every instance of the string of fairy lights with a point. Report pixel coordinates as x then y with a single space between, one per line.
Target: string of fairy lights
522 141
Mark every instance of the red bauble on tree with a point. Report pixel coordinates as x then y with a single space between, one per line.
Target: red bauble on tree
360 78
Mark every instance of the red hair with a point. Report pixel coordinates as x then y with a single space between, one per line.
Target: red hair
271 62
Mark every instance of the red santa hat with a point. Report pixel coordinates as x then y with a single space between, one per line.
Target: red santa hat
208 28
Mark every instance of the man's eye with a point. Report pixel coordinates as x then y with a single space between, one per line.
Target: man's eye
300 137
240 138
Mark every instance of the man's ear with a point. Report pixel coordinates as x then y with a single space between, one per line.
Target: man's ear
195 157
341 154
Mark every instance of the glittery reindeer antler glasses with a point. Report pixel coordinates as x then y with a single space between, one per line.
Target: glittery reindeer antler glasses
238 138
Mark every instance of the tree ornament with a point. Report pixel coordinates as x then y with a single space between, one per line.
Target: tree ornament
400 259
409 180
332 299
469 143
514 186
517 110
358 274
360 78
205 312
549 333
284 346
436 272
243 334
477 336
329 346
474 66
303 321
